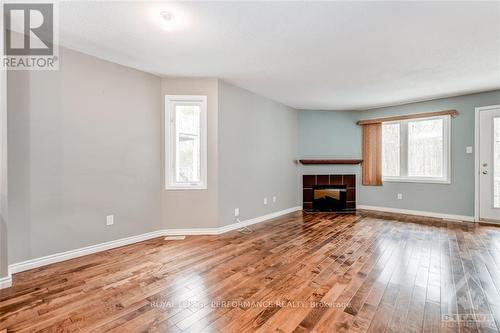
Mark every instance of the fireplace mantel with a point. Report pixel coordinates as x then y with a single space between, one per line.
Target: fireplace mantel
330 161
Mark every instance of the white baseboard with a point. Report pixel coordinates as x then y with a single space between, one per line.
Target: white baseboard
62 256
190 232
239 225
6 282
230 227
419 213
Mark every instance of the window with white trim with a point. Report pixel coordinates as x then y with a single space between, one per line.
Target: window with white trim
417 150
185 142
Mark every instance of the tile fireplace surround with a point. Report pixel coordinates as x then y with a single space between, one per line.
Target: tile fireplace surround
309 181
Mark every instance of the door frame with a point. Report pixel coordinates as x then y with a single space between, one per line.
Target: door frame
476 156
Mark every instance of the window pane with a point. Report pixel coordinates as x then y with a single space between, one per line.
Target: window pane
390 150
496 163
425 148
187 133
187 119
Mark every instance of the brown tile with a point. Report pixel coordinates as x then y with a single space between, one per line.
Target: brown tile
307 205
308 195
351 194
323 180
308 180
335 180
350 205
350 180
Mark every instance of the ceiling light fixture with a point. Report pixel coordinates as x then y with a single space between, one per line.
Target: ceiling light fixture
168 21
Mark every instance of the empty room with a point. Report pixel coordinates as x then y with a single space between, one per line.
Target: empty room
250 166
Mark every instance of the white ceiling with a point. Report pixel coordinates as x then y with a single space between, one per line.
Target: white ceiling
308 55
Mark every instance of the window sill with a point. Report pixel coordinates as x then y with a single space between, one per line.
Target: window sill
186 188
418 180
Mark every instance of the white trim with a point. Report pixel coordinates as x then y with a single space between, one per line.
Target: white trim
230 227
419 213
62 256
169 112
476 157
263 218
190 232
6 282
416 180
403 156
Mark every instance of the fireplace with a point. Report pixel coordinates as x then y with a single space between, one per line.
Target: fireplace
329 198
329 193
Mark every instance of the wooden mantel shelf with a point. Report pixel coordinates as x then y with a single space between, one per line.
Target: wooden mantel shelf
318 161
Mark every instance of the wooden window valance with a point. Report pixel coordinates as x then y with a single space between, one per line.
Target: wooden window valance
372 143
452 113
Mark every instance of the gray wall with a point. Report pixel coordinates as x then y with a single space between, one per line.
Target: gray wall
84 142
179 210
257 150
87 141
249 138
335 134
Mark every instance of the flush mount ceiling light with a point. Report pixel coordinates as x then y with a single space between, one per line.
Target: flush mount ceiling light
168 21
168 17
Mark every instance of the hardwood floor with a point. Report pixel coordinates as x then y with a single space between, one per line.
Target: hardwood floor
298 273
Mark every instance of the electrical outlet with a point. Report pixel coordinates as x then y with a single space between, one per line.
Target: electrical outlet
400 196
468 149
236 212
110 220
265 201
274 199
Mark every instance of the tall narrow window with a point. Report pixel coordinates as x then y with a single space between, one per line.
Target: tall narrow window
186 142
416 150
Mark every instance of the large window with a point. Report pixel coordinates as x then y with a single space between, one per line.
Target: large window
416 150
186 142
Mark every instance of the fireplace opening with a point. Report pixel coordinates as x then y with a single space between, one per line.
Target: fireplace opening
329 198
